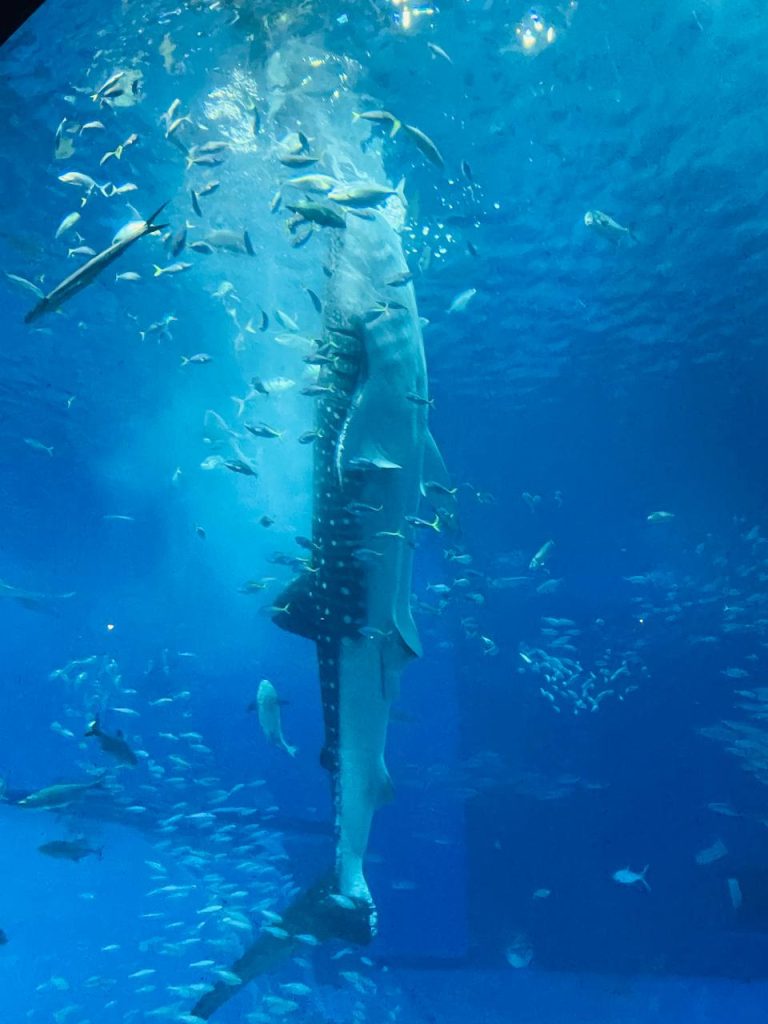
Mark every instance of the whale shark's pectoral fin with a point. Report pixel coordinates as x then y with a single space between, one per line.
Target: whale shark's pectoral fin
434 472
295 610
436 483
363 440
410 641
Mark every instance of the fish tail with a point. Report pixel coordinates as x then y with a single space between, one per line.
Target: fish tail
400 192
312 911
94 729
150 221
158 270
396 126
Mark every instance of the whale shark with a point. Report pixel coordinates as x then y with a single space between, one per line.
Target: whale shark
374 462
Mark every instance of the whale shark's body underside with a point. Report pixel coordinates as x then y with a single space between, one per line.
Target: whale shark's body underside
373 456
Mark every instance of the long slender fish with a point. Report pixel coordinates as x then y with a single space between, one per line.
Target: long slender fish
89 271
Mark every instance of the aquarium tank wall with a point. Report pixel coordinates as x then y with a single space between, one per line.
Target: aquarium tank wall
384 564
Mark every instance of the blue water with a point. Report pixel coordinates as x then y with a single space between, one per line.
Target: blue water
591 381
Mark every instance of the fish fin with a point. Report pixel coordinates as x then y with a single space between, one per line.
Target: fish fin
434 466
297 610
363 438
150 221
313 912
434 471
386 791
94 728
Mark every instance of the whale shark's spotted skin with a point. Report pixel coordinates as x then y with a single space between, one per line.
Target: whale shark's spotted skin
337 589
372 453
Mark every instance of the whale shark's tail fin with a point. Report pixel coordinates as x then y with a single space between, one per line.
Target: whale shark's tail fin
318 912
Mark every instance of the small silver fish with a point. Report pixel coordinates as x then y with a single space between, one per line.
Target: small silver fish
67 223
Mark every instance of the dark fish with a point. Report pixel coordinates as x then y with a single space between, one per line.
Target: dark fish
318 213
314 299
195 203
3 938
298 160
425 144
66 849
248 244
178 241
261 430
205 160
466 170
238 466
114 745
400 280
266 520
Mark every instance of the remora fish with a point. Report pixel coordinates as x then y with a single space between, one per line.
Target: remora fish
364 422
89 271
